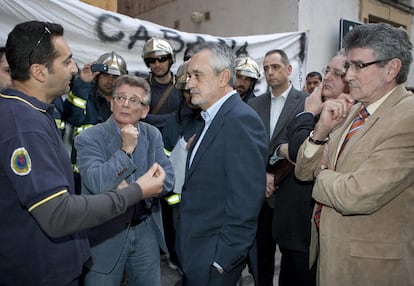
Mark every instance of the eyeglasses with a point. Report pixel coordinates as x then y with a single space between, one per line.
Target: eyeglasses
45 32
335 72
357 67
132 100
160 59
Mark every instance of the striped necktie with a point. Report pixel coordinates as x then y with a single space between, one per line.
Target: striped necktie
355 126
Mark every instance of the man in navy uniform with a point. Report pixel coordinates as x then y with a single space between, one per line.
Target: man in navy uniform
39 217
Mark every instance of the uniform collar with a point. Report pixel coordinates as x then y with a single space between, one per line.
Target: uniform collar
29 100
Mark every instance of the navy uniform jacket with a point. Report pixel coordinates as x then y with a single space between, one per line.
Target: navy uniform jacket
169 107
34 166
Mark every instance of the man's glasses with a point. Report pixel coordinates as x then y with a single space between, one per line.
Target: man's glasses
335 72
161 59
357 67
132 100
45 33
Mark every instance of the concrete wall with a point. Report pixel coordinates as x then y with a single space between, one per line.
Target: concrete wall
228 18
321 18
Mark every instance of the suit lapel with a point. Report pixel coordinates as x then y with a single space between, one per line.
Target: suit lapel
111 135
286 114
211 133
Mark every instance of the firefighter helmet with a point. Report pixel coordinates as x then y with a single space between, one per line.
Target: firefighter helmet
248 67
116 63
181 77
155 47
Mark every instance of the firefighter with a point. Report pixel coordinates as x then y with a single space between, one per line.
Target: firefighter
247 74
159 56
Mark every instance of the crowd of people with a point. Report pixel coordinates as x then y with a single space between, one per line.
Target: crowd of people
197 168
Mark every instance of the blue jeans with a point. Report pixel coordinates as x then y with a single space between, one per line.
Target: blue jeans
140 258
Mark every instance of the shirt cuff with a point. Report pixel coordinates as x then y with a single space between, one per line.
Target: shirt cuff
215 264
310 149
304 112
275 157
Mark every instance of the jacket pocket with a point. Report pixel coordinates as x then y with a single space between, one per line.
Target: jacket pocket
376 250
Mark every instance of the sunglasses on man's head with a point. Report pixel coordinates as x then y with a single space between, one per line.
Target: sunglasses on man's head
160 59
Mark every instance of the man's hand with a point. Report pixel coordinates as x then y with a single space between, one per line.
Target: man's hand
313 102
334 112
152 181
122 184
284 152
86 74
129 136
270 184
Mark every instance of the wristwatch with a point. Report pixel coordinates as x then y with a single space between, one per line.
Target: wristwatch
316 141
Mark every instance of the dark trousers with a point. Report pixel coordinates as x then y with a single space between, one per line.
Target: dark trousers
266 247
169 229
294 269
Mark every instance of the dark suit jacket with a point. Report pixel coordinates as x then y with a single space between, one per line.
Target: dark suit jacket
222 193
293 203
293 105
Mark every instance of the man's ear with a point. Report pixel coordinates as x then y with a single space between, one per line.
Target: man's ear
145 112
224 77
289 68
393 68
38 72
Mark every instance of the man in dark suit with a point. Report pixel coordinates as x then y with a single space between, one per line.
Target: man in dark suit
293 199
276 108
225 176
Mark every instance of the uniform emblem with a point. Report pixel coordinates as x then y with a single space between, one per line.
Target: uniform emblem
20 162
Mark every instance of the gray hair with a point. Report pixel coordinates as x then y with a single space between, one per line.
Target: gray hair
135 81
386 42
223 58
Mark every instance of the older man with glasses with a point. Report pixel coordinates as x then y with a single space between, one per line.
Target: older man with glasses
115 153
362 156
293 199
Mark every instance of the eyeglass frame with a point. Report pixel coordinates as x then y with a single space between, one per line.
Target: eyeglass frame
46 31
160 59
359 66
134 101
334 71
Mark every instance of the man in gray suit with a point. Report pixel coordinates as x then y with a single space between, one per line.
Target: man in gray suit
276 108
115 153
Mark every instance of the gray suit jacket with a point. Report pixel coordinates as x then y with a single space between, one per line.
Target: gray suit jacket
103 166
366 232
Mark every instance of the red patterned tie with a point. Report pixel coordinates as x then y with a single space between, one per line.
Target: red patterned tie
356 125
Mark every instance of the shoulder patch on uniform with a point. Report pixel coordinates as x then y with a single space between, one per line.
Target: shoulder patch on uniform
20 162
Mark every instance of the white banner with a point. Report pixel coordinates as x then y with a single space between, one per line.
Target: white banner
92 31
